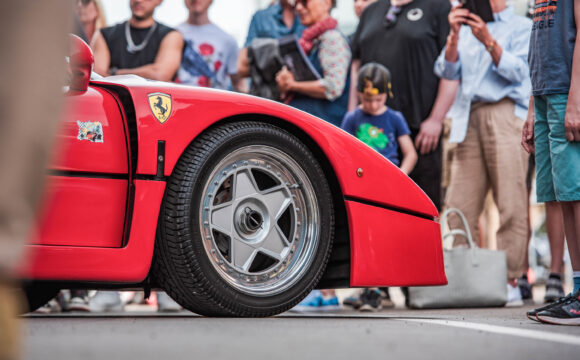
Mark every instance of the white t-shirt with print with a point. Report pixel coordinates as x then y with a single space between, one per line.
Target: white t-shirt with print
209 56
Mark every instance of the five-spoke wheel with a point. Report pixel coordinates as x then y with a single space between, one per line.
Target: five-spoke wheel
246 225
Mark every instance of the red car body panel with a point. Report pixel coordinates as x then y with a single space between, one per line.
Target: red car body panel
128 264
110 155
389 247
394 234
82 212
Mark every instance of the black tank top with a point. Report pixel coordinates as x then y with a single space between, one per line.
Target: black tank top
116 41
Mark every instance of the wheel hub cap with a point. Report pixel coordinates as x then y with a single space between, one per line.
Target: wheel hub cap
251 220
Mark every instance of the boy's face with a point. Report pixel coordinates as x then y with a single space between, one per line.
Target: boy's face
372 104
198 7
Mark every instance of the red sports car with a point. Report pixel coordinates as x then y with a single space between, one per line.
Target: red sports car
234 205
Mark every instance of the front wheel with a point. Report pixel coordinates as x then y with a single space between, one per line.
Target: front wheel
246 225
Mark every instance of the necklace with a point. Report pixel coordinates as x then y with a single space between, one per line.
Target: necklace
131 47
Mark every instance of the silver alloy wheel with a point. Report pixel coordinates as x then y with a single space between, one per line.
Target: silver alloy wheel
259 219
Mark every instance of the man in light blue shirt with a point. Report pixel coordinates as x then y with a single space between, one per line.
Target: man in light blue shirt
490 60
276 21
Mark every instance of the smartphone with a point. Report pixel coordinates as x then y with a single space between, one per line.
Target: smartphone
479 7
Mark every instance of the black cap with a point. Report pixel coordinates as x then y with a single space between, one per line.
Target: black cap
374 79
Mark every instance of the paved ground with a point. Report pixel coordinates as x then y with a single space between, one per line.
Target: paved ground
397 334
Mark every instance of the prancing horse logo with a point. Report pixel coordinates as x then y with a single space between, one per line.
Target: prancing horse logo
161 106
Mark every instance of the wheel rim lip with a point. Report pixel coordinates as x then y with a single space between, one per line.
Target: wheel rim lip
306 228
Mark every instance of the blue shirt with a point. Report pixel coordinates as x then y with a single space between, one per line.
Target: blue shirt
480 79
378 131
552 47
268 23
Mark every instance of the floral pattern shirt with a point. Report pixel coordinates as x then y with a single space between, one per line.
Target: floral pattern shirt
334 56
209 56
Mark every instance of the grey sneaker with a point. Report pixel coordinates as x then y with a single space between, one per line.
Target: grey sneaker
554 290
166 304
106 301
79 303
353 300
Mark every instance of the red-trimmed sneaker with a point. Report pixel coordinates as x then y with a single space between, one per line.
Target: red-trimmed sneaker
532 313
564 313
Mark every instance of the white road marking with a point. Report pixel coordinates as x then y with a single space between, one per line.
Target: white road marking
525 333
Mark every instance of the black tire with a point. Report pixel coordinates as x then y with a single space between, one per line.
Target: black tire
38 294
186 269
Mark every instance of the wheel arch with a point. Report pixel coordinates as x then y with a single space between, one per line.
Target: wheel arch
337 272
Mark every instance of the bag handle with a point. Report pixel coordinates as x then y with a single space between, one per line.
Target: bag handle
463 232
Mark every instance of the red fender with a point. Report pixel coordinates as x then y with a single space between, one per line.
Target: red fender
196 109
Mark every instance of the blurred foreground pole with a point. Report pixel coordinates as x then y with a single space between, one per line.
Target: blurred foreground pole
33 43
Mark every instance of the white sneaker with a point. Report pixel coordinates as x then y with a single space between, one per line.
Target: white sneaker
514 296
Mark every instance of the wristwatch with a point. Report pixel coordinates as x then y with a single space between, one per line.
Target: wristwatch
490 46
113 71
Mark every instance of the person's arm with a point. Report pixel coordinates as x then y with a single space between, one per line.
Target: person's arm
457 17
572 119
528 130
315 88
166 62
448 64
356 56
481 33
101 54
430 131
243 64
352 96
287 84
231 67
239 83
511 65
334 71
409 154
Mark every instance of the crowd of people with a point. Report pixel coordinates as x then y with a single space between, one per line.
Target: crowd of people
410 65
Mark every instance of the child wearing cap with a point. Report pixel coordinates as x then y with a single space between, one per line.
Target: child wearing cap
385 130
378 126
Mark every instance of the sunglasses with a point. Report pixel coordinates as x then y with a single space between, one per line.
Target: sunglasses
295 3
85 2
391 16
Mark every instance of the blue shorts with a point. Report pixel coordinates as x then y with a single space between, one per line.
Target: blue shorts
557 159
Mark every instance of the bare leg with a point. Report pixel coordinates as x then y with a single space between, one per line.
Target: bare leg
571 212
555 229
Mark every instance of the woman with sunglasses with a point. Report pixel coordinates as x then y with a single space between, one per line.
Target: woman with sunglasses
329 53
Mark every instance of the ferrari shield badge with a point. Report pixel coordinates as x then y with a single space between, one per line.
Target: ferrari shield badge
161 106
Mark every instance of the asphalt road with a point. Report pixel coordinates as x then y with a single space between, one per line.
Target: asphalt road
503 333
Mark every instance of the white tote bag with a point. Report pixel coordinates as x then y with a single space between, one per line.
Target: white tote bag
476 277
